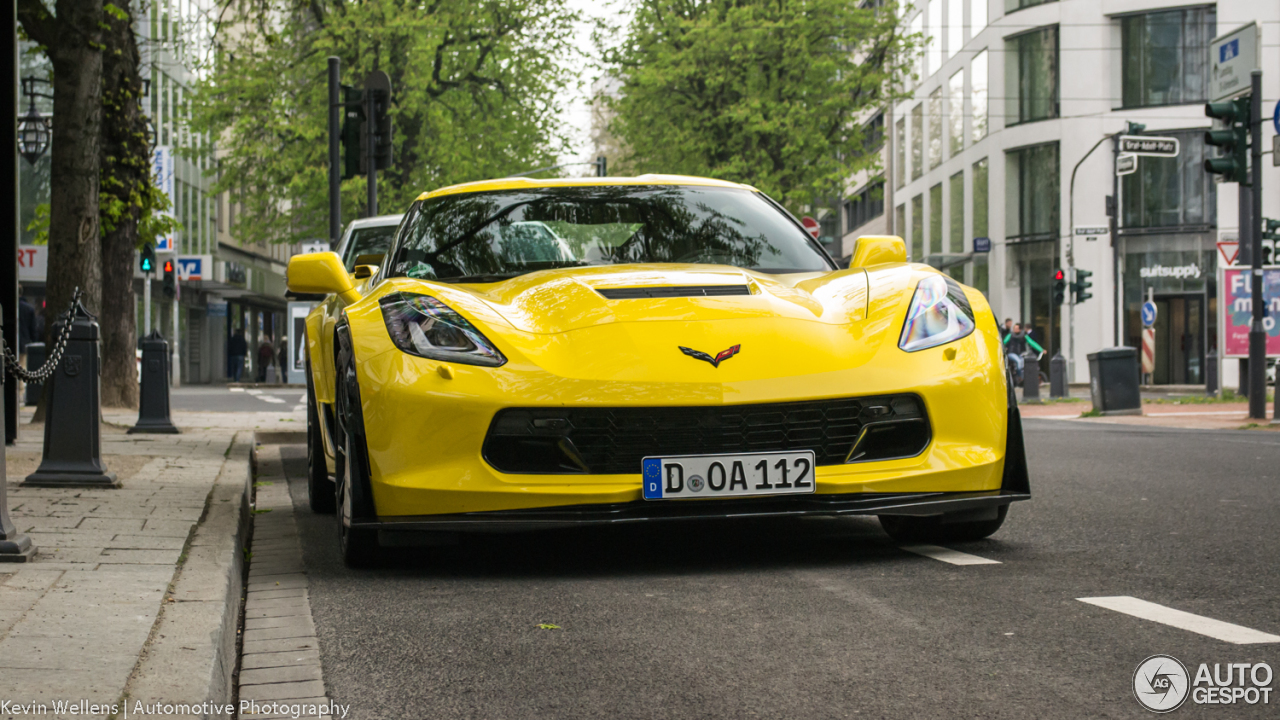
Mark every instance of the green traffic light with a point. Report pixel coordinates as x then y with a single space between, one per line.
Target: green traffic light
1233 139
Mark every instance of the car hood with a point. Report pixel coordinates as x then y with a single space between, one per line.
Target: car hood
785 325
557 301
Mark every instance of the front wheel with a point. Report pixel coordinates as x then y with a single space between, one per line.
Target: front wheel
935 529
359 546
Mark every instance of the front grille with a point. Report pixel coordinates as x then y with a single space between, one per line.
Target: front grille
673 291
608 441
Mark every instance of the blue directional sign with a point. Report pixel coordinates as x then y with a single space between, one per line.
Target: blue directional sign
982 244
1148 314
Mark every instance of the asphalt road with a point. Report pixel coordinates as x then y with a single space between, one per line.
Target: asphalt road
828 618
220 398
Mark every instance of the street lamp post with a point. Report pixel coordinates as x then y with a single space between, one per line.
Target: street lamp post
33 128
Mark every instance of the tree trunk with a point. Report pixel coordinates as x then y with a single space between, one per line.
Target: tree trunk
126 180
72 41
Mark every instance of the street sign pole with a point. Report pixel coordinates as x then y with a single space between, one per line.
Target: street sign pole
1257 334
371 142
146 304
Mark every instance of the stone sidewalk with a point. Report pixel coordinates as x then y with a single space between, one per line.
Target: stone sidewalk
134 591
1191 415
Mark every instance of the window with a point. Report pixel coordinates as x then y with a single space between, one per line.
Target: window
1011 5
935 128
935 37
917 228
1171 192
917 141
955 26
1031 75
917 29
978 80
977 17
864 207
1031 181
873 134
956 245
900 151
1164 58
955 113
981 271
935 219
900 220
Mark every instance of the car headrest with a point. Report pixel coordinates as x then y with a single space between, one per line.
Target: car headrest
877 250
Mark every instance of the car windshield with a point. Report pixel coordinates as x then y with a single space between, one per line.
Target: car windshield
367 241
490 236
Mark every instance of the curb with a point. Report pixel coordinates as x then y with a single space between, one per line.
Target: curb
191 656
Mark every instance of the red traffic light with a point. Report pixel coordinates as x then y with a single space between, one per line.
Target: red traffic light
168 266
1059 275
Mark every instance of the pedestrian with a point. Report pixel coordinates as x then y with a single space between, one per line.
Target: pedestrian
1006 328
266 354
282 358
237 348
1015 344
28 329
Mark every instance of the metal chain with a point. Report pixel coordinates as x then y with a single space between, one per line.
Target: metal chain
51 363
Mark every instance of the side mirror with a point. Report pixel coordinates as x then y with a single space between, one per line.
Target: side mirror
878 249
320 273
364 271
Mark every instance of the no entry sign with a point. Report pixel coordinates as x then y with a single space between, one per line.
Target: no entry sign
811 226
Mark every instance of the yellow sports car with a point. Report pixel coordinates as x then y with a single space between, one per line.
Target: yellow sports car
545 353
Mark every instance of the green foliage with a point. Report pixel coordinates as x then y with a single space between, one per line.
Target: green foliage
152 202
476 93
767 92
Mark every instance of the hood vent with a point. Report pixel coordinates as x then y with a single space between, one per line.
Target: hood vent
676 291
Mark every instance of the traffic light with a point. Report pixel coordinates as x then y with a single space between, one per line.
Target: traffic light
170 279
147 259
1233 163
1080 288
352 122
1059 287
1270 229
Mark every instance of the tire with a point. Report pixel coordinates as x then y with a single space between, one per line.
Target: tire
320 489
358 546
909 529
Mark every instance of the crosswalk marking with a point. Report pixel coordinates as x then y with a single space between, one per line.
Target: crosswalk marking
947 555
270 399
1217 629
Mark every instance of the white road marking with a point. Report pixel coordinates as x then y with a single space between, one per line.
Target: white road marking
1217 629
270 399
299 408
302 398
947 555
254 392
237 389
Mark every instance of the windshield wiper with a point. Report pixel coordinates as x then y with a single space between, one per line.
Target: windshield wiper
483 278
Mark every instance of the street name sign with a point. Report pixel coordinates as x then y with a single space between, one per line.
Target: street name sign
1092 230
1126 164
1149 145
982 245
1231 58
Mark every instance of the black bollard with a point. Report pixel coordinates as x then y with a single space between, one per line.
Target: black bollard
35 360
1211 375
15 547
153 409
1030 377
1058 376
72 436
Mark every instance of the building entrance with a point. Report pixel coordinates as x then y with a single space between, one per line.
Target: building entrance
1180 335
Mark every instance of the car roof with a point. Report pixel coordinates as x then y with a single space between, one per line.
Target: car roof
379 221
522 183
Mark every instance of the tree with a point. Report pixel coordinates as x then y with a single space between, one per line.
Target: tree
766 92
476 91
72 39
130 204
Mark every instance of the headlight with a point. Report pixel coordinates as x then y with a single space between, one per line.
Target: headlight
422 325
939 314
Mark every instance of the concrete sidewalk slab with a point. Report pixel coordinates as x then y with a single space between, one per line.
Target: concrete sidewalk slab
100 611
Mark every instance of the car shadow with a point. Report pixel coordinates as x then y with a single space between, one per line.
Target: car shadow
730 546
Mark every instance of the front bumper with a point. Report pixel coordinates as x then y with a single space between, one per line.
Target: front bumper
917 504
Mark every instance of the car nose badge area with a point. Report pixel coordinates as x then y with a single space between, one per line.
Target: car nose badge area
715 361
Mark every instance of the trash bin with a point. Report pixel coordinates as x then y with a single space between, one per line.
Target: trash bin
1114 381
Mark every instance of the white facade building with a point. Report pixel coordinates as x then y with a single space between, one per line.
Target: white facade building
1013 95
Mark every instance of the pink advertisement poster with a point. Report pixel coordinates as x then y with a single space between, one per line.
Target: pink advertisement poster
1237 312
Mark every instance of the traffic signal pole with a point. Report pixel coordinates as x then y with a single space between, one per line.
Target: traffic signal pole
146 304
371 138
1257 334
335 171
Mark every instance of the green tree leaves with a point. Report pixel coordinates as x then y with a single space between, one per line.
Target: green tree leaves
772 93
476 93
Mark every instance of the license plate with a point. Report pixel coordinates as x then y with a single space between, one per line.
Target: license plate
731 475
